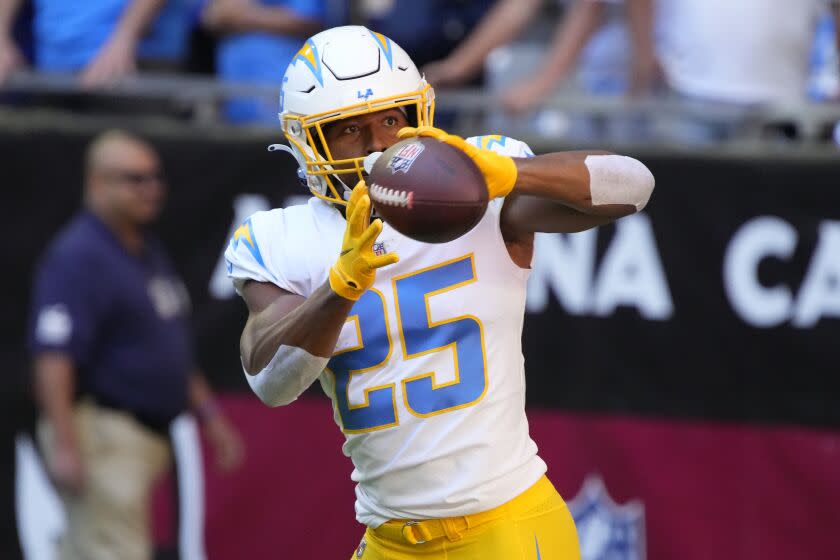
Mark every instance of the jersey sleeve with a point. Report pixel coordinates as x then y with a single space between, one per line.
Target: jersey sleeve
67 307
504 145
255 252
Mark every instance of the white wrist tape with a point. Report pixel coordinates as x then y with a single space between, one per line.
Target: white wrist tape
289 373
619 180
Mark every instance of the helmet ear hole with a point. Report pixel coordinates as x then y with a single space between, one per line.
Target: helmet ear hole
301 174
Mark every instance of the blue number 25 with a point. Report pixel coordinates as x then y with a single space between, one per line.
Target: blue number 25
419 336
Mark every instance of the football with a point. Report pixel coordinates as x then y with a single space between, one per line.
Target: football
427 190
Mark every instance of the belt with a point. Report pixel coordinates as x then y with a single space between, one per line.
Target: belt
453 528
423 531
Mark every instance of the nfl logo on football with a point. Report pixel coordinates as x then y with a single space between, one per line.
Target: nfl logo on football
606 530
404 158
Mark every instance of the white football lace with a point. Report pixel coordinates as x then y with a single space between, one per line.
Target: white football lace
391 197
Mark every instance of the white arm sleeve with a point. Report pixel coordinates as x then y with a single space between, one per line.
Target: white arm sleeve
617 179
289 373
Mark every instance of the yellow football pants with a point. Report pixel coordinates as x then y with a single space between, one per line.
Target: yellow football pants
536 525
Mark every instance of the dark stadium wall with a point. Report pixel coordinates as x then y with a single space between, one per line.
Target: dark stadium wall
686 356
721 301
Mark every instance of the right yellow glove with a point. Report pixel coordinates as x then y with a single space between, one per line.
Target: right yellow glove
355 270
500 172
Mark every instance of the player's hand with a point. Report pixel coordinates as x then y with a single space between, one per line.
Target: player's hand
355 270
499 171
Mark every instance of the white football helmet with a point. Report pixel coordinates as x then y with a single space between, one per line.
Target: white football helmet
339 73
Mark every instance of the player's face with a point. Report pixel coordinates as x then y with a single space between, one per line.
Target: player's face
361 135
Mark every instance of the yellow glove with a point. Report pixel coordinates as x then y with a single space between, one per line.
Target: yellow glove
499 171
355 270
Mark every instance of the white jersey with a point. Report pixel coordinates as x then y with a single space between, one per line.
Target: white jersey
427 379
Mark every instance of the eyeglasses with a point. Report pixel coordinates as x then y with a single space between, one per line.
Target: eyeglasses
135 178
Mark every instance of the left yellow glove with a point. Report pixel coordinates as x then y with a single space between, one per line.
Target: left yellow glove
499 171
355 270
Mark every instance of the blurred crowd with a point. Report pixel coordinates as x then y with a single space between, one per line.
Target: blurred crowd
733 56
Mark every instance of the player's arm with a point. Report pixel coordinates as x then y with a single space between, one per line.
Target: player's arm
573 191
288 339
279 318
558 192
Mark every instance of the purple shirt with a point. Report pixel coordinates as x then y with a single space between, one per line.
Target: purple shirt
122 318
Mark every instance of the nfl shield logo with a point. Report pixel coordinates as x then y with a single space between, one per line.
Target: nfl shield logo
606 530
404 158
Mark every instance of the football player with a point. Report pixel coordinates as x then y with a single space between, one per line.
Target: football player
417 345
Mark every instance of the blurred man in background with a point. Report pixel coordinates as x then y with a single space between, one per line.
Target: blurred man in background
260 38
103 40
113 358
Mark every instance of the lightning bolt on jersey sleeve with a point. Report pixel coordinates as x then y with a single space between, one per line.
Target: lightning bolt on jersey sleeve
251 256
244 254
503 145
282 246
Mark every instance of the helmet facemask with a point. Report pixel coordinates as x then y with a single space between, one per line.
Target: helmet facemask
304 130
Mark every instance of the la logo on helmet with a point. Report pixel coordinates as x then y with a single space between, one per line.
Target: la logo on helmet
364 94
